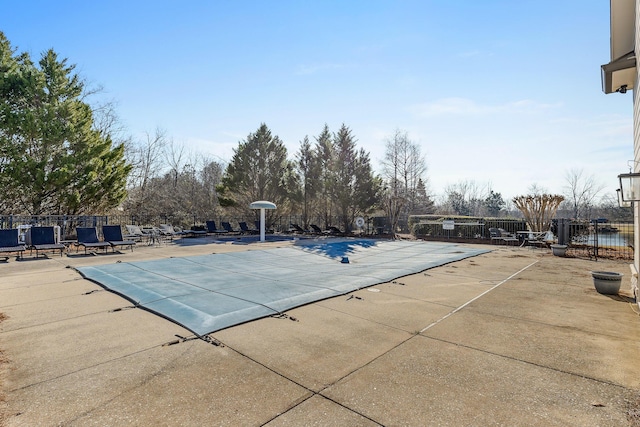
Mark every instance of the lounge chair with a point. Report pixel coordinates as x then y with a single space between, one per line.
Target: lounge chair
135 233
195 231
333 231
297 229
246 230
43 239
212 229
9 242
267 230
88 238
229 228
315 229
170 231
113 235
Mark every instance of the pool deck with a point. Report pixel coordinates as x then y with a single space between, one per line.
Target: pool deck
513 337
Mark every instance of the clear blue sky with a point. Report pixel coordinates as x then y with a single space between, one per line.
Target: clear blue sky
505 93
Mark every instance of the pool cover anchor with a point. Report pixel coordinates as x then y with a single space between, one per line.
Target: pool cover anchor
205 338
129 307
284 316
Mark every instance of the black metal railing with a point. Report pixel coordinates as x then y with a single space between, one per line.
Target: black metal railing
593 239
596 239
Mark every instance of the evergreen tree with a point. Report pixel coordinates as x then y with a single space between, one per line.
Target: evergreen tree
325 159
494 203
52 159
307 169
424 203
259 170
355 189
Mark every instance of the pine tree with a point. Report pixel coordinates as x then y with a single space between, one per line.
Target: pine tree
307 169
259 170
325 159
53 160
355 189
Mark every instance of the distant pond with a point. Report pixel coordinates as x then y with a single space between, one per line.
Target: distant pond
604 239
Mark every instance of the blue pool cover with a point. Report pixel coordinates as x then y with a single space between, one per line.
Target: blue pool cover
207 293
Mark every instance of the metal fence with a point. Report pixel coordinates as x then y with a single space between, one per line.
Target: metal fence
586 239
473 230
595 239
592 239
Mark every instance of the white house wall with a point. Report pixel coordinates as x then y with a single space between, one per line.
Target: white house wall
636 153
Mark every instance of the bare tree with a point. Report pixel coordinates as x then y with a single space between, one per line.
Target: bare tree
404 168
210 176
146 157
581 191
107 121
466 197
535 189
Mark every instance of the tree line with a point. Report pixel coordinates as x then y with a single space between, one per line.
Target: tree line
60 154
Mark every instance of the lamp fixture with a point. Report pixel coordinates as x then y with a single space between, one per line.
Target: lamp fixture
622 203
629 187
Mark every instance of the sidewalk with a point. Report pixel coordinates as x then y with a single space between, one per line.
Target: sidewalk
514 337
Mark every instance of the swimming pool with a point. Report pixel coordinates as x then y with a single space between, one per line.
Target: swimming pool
207 293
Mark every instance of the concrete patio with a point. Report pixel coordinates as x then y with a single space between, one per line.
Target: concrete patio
512 337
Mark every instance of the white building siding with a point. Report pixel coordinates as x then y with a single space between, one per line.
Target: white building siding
636 154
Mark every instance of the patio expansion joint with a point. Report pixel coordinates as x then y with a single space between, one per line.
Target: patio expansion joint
85 368
451 313
311 392
346 313
2 332
549 368
38 301
319 304
145 381
541 323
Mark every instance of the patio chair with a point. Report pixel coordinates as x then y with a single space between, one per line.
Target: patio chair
213 229
195 231
495 235
227 226
43 239
169 231
315 229
113 235
509 238
9 242
267 230
502 235
295 228
88 238
333 231
246 230
135 233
